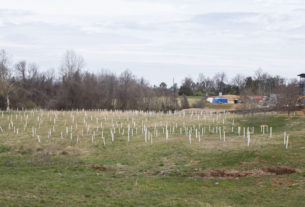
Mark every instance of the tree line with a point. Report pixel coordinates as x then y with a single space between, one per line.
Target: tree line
261 83
23 86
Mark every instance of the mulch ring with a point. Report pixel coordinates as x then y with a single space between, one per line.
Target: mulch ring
104 168
98 167
279 170
263 171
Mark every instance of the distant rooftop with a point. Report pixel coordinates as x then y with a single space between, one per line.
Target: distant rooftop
302 75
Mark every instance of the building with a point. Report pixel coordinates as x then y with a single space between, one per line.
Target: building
210 99
302 84
220 100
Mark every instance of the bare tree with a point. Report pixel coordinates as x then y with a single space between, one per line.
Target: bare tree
209 84
220 79
70 91
287 96
6 85
187 87
201 82
20 68
248 103
72 63
184 102
261 82
239 81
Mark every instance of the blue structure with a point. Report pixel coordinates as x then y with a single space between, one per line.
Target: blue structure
221 100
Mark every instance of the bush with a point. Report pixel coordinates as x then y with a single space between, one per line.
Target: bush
30 105
184 102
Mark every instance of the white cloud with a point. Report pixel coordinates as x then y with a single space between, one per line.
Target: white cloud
196 35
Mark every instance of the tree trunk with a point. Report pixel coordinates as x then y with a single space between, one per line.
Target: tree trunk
7 103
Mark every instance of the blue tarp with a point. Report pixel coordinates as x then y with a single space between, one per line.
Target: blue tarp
220 99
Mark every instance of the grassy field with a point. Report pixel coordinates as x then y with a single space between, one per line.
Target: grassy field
50 158
195 99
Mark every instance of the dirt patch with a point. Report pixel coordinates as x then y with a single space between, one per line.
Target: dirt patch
229 173
249 163
268 170
99 167
104 168
279 170
69 151
280 182
147 172
219 173
123 172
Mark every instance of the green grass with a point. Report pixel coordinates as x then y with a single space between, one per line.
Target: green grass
193 99
219 106
58 172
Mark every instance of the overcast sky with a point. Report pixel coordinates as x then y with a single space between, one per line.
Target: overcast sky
159 39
